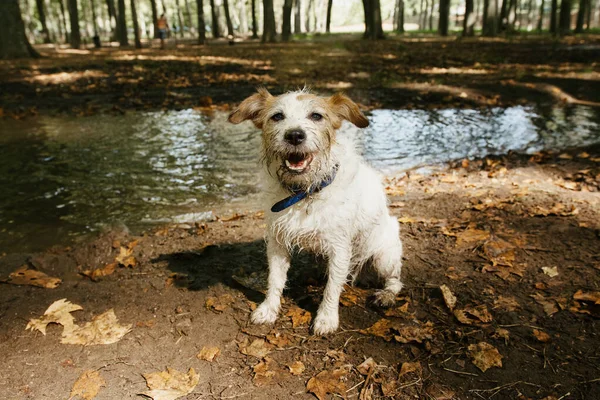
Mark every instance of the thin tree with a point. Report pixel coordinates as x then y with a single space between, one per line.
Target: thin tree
328 21
269 30
254 22
581 13
228 18
297 16
63 20
42 16
189 15
13 42
136 27
243 16
154 17
94 20
309 8
444 17
121 23
430 14
553 17
490 18
565 17
286 27
75 36
112 15
201 24
503 14
540 24
399 16
179 18
214 28
469 19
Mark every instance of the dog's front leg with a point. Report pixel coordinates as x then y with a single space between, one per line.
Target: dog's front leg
279 263
327 319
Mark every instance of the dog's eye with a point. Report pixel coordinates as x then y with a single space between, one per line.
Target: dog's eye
316 116
277 117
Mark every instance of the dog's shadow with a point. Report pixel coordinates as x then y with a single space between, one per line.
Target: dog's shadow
243 266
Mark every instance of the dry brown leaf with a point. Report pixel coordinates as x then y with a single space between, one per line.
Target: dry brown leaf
435 391
593 297
352 296
125 257
327 382
94 274
550 271
410 367
87 385
470 236
299 316
499 252
557 209
59 312
258 348
233 217
32 277
103 329
400 311
367 366
449 298
296 368
549 305
501 333
209 353
418 333
485 356
473 315
170 384
381 328
265 372
541 336
280 340
220 303
506 303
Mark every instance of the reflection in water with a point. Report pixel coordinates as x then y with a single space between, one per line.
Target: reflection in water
67 176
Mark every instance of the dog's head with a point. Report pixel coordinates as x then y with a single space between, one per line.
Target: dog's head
298 131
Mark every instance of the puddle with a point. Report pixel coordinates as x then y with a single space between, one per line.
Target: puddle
63 177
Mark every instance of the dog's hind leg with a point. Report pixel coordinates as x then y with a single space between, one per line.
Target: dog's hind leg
387 260
279 263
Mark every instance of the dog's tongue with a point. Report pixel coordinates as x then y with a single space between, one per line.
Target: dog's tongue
296 164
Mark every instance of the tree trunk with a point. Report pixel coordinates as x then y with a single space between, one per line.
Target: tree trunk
94 22
13 42
490 17
469 19
399 16
179 18
565 17
75 35
201 24
540 24
581 16
154 18
444 17
114 24
216 32
553 19
298 16
286 28
373 23
64 20
136 27
121 23
228 18
368 18
42 16
431 8
269 30
328 21
189 16
530 15
309 7
243 16
503 14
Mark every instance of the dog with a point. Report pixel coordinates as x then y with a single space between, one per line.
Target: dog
322 197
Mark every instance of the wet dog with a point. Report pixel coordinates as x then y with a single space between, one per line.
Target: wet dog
320 196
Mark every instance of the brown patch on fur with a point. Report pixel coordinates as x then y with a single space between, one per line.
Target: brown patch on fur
251 108
346 109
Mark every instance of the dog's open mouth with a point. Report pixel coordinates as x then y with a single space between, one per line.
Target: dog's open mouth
298 162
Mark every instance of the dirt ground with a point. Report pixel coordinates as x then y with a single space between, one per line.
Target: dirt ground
515 240
400 72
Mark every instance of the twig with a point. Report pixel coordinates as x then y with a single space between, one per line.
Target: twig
355 386
460 372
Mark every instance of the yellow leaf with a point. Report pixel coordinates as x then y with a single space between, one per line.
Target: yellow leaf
258 348
296 368
104 329
265 372
87 385
485 356
209 353
170 384
593 297
220 303
541 336
59 312
449 298
32 277
299 316
94 274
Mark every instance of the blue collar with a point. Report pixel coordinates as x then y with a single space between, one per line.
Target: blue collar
300 194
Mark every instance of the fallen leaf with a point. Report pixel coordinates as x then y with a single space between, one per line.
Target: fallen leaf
327 382
170 384
400 311
280 340
296 368
550 271
593 297
381 328
473 315
32 277
366 366
256 281
258 348
501 333
410 367
265 372
549 305
352 296
87 385
59 312
299 316
103 329
125 257
94 274
233 217
541 336
499 252
337 355
449 298
485 356
470 236
418 333
557 209
436 391
507 303
208 353
220 303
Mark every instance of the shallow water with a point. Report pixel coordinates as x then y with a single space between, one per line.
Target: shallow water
62 177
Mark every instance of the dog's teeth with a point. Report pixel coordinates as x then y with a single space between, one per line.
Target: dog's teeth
287 164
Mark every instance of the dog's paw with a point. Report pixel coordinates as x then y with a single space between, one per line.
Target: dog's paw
384 298
264 315
325 324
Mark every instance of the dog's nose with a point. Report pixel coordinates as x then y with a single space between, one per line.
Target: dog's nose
295 137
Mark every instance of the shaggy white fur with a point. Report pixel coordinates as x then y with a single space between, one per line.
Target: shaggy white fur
347 222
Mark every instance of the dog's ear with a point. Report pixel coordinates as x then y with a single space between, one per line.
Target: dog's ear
346 109
250 108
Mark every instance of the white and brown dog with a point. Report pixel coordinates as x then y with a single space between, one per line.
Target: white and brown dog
320 196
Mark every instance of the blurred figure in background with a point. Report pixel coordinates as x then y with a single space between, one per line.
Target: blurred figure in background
163 26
